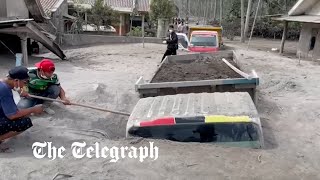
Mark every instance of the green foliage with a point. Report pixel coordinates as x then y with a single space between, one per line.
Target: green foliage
135 31
101 14
78 13
265 27
268 28
234 11
162 9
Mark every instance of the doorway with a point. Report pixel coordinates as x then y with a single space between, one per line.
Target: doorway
313 40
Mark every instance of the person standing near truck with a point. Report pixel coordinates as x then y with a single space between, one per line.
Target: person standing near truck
185 29
172 42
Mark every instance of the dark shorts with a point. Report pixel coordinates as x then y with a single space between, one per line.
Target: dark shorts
19 125
52 92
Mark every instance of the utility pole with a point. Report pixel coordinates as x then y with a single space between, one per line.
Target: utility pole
143 30
198 9
242 22
246 28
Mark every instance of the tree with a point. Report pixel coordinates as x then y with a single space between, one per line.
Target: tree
162 9
101 14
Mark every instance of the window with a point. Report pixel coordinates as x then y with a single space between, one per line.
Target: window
204 40
182 41
244 134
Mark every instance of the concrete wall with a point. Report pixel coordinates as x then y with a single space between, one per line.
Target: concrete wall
3 8
17 8
306 34
85 39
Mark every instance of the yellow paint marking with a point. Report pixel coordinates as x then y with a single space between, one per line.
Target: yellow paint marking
220 119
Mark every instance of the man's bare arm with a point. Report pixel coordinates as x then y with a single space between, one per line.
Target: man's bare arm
26 112
63 97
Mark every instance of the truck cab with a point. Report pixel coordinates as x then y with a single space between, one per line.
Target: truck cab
183 41
204 41
232 120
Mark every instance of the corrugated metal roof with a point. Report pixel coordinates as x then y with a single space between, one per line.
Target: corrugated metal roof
302 7
143 5
122 5
315 10
303 18
36 10
49 5
128 5
191 105
91 2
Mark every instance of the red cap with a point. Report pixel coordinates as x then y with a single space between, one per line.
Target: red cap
46 65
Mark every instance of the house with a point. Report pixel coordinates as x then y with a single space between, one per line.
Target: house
126 8
57 11
19 22
307 12
131 11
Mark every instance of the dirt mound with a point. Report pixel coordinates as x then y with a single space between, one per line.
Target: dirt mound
277 86
201 69
98 95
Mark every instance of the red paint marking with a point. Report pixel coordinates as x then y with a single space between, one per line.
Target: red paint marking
203 49
159 122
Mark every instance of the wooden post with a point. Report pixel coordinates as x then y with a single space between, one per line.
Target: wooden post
221 12
131 19
24 48
86 17
284 36
121 24
142 24
215 10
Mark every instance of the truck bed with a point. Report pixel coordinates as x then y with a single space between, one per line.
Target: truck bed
197 82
